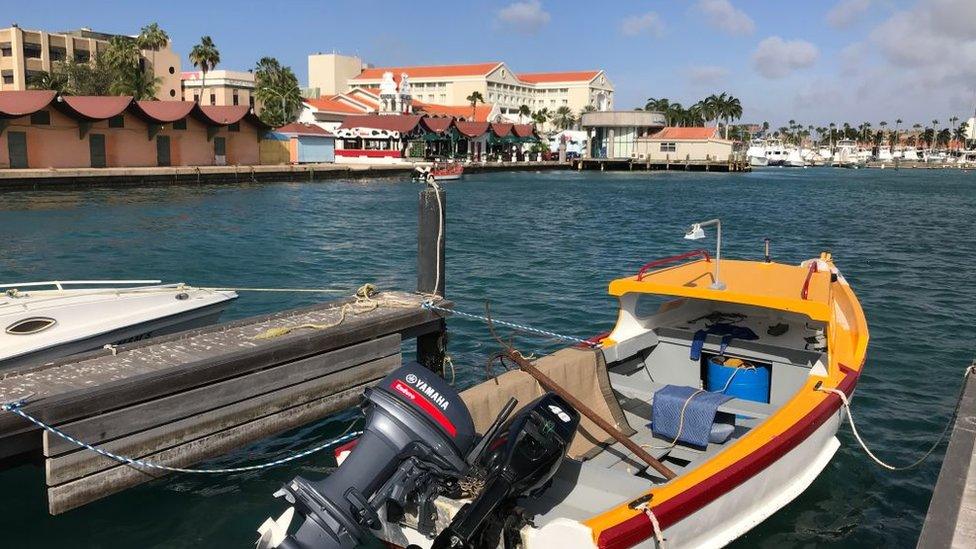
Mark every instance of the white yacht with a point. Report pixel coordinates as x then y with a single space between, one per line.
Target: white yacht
43 321
794 158
775 153
756 153
885 155
847 155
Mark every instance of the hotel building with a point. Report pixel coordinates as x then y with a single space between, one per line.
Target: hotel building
223 87
331 74
24 53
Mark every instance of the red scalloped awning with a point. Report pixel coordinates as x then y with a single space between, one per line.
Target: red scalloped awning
437 125
501 129
471 129
96 107
224 115
164 112
523 130
403 123
14 104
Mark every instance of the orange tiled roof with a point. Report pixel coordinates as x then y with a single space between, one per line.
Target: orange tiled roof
329 104
481 112
538 77
299 128
429 71
695 132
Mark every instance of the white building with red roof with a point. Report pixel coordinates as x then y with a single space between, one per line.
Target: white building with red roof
451 85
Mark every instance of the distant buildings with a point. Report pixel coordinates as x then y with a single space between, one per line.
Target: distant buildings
223 87
449 86
24 53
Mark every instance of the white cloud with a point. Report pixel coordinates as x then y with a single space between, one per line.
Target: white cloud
853 58
721 14
706 75
525 17
846 12
777 58
649 23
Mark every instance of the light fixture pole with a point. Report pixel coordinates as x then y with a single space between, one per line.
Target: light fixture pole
696 232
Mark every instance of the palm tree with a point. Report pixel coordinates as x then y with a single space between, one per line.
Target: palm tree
276 87
152 38
832 127
541 117
204 56
953 121
733 111
474 99
564 117
960 134
897 125
524 111
935 129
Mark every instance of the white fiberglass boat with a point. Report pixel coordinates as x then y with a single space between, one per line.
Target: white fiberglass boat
775 153
756 153
43 321
794 159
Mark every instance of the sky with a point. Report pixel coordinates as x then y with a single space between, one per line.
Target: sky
814 61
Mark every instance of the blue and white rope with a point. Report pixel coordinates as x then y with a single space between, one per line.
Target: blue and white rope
15 407
520 327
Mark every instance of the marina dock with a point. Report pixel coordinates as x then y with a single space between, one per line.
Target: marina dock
179 399
951 519
37 179
630 164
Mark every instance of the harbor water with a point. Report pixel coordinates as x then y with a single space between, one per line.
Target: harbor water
542 248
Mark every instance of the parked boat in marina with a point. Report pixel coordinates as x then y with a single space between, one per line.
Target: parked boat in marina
44 321
756 153
751 349
440 171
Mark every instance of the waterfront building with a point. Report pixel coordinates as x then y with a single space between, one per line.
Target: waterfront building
681 144
223 87
452 84
297 143
614 134
40 129
25 53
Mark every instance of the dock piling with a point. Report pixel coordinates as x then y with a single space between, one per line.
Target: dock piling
431 271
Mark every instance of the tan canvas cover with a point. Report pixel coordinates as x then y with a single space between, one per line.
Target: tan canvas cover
582 372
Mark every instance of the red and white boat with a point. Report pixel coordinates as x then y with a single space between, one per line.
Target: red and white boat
440 171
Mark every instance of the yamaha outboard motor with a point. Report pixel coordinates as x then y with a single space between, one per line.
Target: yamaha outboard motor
419 443
417 426
522 464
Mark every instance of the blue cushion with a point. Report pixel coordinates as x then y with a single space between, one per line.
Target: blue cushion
696 426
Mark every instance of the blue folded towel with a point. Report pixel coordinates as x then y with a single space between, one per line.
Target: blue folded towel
699 415
727 331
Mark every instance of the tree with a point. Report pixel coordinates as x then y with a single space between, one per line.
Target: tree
961 132
474 99
205 57
897 125
542 117
564 118
152 38
733 111
56 80
524 111
276 86
943 137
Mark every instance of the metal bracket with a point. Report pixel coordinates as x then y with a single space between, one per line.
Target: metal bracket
83 128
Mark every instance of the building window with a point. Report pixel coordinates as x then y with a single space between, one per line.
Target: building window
32 51
117 121
57 54
6 50
213 99
172 93
236 99
196 98
8 79
668 147
41 118
179 124
250 101
235 127
172 70
82 56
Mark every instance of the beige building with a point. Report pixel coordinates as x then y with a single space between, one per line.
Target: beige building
223 87
684 144
26 52
452 84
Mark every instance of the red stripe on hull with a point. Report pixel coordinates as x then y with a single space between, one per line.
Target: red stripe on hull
638 528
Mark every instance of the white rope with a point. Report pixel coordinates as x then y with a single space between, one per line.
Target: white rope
971 370
658 534
440 232
294 290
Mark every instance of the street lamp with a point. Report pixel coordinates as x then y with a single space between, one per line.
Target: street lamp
697 232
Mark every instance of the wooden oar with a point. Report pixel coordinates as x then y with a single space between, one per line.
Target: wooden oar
551 385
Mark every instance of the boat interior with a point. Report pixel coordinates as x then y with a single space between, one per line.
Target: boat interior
599 472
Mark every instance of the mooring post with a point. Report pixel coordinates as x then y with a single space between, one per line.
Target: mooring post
431 239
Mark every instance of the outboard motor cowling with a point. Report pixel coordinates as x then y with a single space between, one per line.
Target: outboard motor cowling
416 423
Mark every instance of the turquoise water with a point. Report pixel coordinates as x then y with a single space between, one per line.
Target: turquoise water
541 247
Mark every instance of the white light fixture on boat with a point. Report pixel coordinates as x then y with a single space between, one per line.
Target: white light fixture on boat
697 232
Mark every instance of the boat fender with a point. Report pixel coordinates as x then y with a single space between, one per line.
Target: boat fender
430 177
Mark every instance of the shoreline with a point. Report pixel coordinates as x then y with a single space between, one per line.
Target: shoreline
79 178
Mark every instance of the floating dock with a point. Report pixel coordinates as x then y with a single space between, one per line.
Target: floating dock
179 399
631 164
951 519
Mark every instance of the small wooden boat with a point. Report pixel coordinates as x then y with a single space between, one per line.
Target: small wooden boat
440 171
766 342
43 321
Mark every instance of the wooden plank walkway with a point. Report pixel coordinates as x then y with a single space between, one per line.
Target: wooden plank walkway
951 519
183 398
